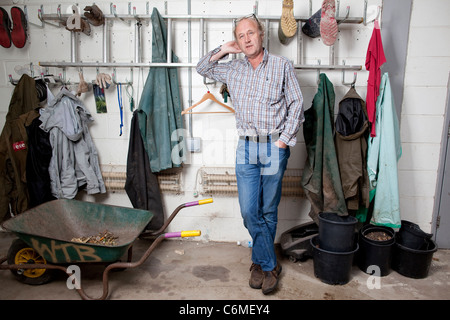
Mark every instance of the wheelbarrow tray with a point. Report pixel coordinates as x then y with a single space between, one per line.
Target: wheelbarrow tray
50 227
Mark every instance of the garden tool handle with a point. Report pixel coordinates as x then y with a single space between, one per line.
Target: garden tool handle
183 234
198 202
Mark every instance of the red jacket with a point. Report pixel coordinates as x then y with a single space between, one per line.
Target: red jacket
374 60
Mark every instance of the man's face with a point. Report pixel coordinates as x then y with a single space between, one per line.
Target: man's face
249 38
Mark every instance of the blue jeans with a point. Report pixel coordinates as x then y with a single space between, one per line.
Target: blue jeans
260 167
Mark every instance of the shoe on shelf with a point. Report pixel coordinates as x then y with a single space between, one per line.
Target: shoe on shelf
287 26
328 24
19 29
5 29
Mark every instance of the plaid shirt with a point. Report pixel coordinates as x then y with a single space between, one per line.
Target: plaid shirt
267 100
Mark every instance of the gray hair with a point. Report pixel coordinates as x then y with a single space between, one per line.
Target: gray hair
249 17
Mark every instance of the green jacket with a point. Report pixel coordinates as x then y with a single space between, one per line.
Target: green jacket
14 147
159 109
321 180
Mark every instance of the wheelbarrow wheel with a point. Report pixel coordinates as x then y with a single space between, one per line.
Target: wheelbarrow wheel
21 253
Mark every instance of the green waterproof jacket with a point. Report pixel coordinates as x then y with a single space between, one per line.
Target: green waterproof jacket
159 109
321 180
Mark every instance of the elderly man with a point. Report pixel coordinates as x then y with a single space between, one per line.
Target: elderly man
269 110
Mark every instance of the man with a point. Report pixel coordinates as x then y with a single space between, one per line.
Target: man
269 110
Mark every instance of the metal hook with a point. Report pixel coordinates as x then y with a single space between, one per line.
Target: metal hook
347 13
114 79
114 12
41 14
11 80
25 11
355 74
62 77
365 22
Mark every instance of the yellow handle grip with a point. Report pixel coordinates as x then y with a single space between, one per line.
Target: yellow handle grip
205 201
190 233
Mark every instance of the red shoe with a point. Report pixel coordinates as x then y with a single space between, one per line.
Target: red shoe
19 30
5 29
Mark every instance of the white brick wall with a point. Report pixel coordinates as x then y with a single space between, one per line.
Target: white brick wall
422 111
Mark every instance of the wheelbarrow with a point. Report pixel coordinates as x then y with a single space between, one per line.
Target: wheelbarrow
46 239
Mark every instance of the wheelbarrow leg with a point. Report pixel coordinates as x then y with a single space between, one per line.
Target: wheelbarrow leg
120 265
130 254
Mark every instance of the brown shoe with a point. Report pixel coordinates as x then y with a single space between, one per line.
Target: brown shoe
271 279
256 277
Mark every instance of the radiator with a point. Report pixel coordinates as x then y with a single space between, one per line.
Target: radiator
114 178
223 181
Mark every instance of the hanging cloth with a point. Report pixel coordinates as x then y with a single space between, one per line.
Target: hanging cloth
38 161
14 197
159 109
374 60
141 184
74 164
384 151
351 148
321 180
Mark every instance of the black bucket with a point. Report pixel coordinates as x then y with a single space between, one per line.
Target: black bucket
411 236
336 233
377 253
332 267
413 263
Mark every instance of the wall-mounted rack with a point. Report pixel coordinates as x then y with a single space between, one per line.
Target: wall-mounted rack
138 18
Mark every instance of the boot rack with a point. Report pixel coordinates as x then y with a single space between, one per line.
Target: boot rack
138 18
55 20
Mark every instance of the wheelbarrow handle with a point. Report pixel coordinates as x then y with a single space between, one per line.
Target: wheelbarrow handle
198 202
183 234
174 213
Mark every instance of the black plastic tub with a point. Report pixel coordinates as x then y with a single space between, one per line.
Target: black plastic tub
332 267
336 233
411 236
376 254
369 228
413 263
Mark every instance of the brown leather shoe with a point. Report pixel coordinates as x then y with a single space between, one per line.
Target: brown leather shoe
271 279
256 277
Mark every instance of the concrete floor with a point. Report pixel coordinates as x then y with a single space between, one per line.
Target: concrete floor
186 269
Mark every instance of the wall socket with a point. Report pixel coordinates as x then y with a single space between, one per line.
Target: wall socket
194 144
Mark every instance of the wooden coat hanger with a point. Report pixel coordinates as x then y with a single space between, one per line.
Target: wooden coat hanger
208 96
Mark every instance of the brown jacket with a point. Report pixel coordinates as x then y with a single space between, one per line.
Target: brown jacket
13 148
351 148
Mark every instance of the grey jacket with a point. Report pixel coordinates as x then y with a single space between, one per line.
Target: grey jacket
74 163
